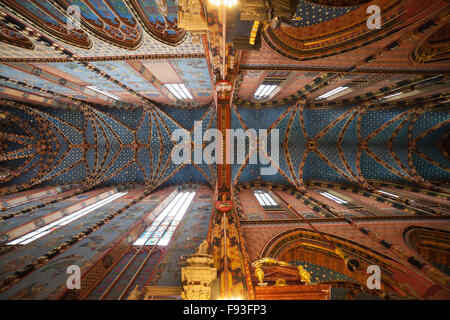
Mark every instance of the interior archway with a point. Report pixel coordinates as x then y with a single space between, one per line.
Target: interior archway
307 248
432 245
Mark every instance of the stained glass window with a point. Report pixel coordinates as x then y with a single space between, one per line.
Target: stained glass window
31 236
389 194
163 227
333 197
265 199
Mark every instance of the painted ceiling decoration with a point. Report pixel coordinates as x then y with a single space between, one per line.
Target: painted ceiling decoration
349 79
117 76
109 20
321 83
362 116
127 112
337 3
97 146
76 81
318 33
349 145
305 13
159 18
37 134
406 85
10 36
118 22
215 41
315 83
44 16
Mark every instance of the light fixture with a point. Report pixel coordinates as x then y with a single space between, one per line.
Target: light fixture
331 93
180 91
264 91
104 92
227 3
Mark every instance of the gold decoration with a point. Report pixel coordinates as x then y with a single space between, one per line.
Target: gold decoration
304 275
267 261
259 273
254 32
280 282
435 48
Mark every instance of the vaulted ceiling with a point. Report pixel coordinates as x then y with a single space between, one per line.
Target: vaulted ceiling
349 145
90 105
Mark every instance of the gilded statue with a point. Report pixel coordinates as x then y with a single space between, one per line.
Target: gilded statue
267 261
304 275
259 273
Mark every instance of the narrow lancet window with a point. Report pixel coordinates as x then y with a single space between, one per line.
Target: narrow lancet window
163 227
36 234
265 199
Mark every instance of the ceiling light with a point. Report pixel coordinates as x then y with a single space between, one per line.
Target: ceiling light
264 91
331 93
104 92
228 3
179 90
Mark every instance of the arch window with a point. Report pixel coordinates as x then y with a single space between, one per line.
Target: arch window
333 197
36 234
266 200
163 227
387 193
